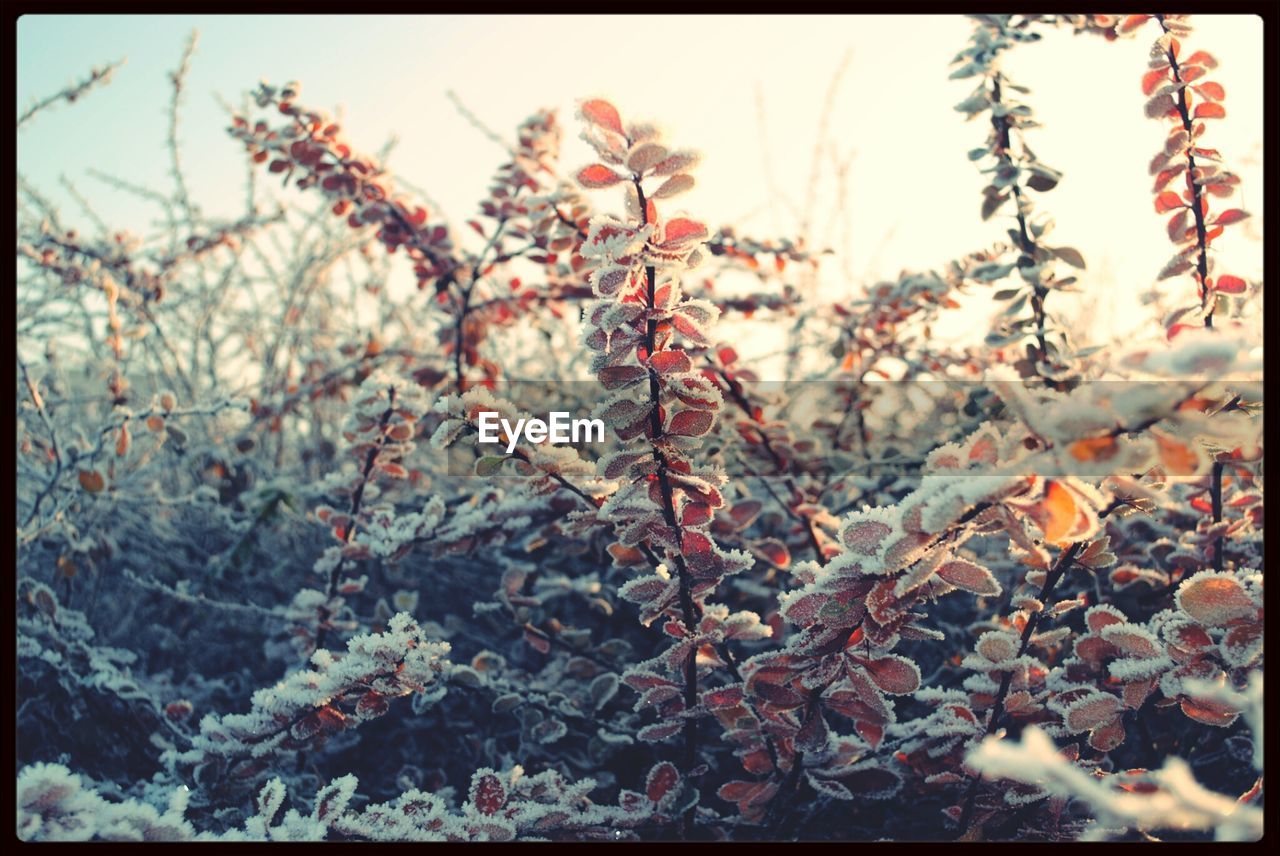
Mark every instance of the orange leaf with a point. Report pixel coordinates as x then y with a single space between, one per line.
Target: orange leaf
92 481
598 175
1209 712
1094 449
1131 23
1178 458
1152 79
1167 201
1212 91
602 113
624 555
1201 58
1059 510
1214 600
775 551
682 229
1210 110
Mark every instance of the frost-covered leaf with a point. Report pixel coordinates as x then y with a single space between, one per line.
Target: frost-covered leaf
970 577
894 674
673 186
602 113
1092 711
1214 599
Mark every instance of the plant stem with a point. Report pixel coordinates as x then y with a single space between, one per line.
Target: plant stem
357 499
687 606
1197 204
1026 244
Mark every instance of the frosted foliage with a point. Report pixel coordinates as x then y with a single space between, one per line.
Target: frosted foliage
302 554
1175 802
375 667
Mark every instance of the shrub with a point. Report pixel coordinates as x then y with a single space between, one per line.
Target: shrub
271 586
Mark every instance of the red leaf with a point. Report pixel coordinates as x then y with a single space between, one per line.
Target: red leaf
1107 737
695 514
642 590
624 555
682 229
1230 284
1167 201
602 113
893 674
691 423
697 548
661 780
597 175
1190 73
1212 91
783 698
970 577
1178 458
330 719
371 705
1231 215
614 377
870 732
659 730
1152 79
1209 110
487 794
666 362
725 697
743 513
537 642
738 791
776 552
865 536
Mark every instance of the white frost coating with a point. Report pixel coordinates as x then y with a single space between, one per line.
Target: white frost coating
384 532
56 805
946 498
1200 353
1139 669
940 695
395 663
1248 701
1179 803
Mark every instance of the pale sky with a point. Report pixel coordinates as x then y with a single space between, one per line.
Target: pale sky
913 194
